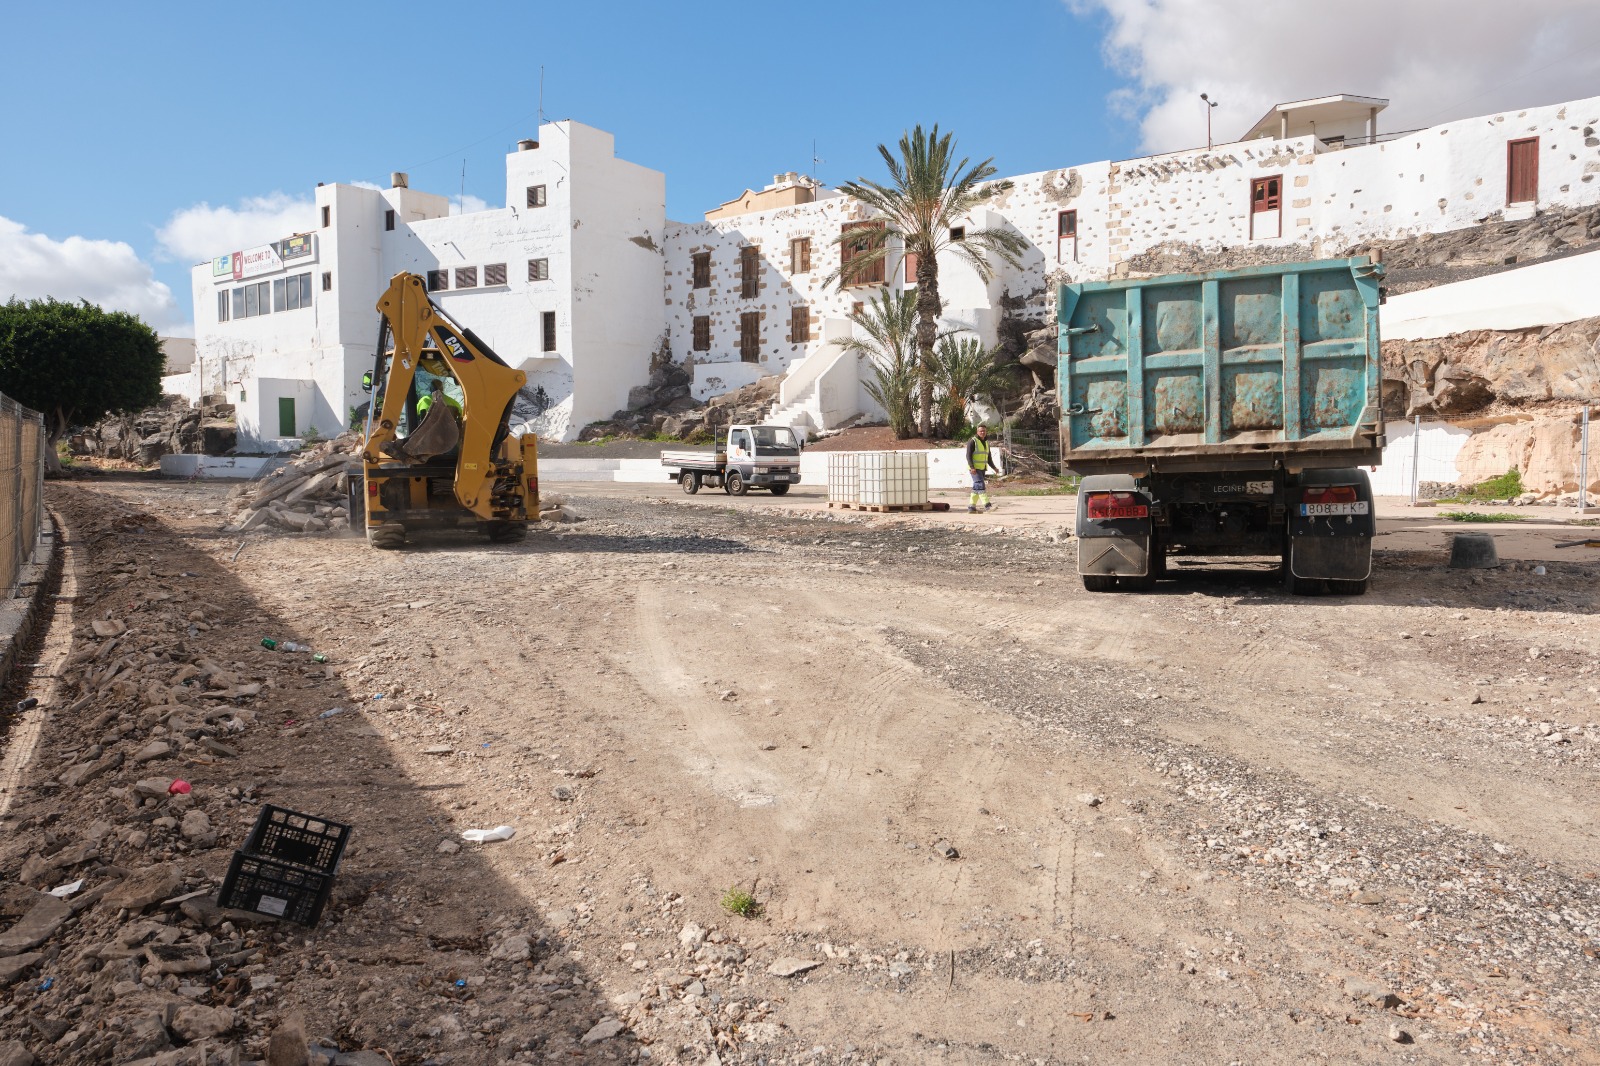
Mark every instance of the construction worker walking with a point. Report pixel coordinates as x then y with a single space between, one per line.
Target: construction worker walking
979 462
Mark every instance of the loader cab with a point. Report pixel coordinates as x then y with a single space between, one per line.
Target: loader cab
422 385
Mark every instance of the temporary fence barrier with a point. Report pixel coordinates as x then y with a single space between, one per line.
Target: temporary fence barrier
22 454
1424 461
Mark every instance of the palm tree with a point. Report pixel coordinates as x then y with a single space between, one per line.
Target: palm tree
963 368
928 195
886 333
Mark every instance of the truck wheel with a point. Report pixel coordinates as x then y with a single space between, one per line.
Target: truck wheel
1300 586
780 490
689 481
355 500
500 531
1099 582
1347 586
1139 584
388 535
734 484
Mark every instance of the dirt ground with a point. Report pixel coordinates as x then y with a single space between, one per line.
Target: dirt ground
984 815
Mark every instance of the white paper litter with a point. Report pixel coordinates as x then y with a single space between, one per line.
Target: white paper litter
484 836
63 891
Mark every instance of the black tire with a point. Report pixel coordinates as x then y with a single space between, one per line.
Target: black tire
1099 582
388 536
780 490
689 482
500 532
1158 558
1347 586
734 484
1138 584
355 500
1301 586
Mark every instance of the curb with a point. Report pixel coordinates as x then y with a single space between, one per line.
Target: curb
20 613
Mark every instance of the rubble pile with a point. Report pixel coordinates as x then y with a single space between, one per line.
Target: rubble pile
308 495
664 408
114 949
171 428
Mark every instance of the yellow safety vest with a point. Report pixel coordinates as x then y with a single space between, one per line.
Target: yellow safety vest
980 454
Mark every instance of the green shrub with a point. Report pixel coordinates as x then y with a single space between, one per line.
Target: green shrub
737 901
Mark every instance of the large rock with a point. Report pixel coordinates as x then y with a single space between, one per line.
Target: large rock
35 927
147 887
1467 371
1544 450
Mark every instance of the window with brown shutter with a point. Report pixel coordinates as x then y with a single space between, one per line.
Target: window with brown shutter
494 274
749 271
538 270
1265 195
466 277
702 270
702 333
857 246
1522 171
800 255
438 280
911 268
800 325
536 196
750 336
1066 236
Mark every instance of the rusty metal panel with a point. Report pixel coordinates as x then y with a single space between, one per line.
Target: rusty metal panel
1278 363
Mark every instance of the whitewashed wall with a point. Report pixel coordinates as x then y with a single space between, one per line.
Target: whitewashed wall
1542 294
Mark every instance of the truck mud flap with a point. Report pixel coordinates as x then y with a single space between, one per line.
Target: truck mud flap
1113 555
1343 558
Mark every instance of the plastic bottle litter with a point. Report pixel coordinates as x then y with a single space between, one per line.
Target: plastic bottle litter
330 712
484 836
290 645
179 787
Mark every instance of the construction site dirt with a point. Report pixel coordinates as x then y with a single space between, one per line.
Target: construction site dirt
792 786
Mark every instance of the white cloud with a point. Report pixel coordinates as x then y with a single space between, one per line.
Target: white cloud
467 205
1434 60
107 273
195 234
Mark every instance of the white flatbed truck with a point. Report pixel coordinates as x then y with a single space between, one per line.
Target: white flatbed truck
747 457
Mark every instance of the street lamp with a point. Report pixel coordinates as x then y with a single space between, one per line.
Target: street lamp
1210 104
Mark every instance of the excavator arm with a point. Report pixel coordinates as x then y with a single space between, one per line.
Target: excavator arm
419 330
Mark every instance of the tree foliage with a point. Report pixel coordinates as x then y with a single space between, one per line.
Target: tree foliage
930 193
77 363
885 332
962 369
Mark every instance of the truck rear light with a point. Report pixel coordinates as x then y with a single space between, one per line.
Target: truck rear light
1330 494
372 488
533 486
1103 505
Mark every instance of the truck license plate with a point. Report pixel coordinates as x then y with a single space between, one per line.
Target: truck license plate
1313 510
1133 511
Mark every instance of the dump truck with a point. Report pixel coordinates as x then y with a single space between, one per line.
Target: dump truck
1224 414
438 450
747 457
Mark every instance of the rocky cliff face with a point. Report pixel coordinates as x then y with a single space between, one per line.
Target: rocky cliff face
1487 371
172 428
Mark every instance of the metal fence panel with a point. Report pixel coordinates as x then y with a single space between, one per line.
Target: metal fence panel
22 453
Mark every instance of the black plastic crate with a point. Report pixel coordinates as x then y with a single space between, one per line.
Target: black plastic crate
298 839
266 886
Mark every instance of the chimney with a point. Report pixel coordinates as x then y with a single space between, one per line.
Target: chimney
399 179
527 144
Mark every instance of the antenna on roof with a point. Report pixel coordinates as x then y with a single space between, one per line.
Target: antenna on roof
541 94
815 160
461 204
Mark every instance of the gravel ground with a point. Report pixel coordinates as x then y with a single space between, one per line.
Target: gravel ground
983 815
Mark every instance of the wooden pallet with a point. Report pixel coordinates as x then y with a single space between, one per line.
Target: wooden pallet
880 508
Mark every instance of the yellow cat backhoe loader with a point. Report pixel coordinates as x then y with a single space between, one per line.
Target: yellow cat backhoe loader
438 450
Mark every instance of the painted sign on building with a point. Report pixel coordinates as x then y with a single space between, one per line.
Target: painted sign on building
297 247
222 266
253 262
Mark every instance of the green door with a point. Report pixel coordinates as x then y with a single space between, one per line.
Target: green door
286 416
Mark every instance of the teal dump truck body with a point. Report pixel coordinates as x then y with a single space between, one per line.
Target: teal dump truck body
1269 366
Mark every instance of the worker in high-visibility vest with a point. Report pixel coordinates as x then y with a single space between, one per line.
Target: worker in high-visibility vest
979 462
427 402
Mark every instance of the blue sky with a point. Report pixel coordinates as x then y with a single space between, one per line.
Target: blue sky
141 139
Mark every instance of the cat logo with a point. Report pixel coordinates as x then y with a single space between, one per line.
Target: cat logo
458 351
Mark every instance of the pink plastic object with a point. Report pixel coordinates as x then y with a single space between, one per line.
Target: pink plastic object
179 787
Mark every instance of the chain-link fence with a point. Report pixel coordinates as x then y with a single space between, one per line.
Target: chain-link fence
1555 459
1033 451
22 445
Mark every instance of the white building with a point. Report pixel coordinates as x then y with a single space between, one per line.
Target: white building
744 293
563 283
